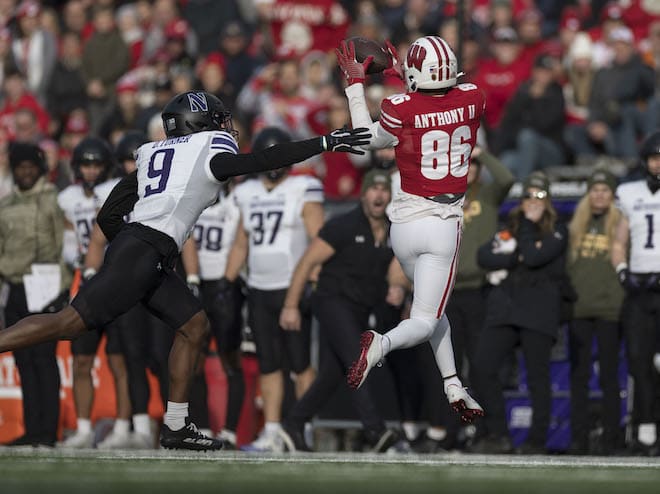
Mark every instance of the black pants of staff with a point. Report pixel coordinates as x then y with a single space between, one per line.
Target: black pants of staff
581 335
40 377
495 344
641 323
342 322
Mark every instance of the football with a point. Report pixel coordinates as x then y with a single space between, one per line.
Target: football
364 48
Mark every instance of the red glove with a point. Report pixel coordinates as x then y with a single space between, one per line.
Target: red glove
353 70
396 69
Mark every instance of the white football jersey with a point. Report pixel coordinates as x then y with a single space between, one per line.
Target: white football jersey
214 234
642 208
274 223
80 210
175 182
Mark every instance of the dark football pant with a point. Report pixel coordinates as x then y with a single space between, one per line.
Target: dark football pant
135 270
581 335
40 376
224 313
342 323
641 322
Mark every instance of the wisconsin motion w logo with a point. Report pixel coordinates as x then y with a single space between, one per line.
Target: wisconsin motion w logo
416 56
198 102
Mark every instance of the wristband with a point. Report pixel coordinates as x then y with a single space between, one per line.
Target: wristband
621 266
193 279
88 273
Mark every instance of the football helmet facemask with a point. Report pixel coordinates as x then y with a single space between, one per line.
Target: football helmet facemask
196 111
430 64
126 148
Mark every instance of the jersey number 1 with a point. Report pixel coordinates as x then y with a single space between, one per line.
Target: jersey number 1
159 167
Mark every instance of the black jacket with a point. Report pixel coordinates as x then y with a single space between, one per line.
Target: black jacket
530 296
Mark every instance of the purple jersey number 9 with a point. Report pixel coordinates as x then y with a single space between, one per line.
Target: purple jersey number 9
159 169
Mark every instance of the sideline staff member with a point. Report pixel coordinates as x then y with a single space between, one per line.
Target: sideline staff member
357 264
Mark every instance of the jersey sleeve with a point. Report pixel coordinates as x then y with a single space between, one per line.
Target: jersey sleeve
220 142
620 200
390 118
313 191
63 201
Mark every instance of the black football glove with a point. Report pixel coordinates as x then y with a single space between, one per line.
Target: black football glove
628 280
345 140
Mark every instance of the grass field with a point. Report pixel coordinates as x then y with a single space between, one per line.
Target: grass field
53 471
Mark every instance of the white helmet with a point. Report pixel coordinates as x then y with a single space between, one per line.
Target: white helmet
430 64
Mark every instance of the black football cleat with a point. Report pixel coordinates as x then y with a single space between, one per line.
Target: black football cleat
293 437
188 437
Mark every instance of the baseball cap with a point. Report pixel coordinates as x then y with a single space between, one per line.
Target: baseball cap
611 11
176 29
538 180
77 124
570 19
28 8
376 177
602 176
622 34
505 34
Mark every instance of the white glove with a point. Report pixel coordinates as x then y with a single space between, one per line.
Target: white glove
497 277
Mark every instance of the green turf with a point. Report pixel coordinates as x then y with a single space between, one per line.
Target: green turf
92 472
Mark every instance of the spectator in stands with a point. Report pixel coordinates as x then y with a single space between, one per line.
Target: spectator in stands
6 179
128 23
26 126
35 50
162 89
239 64
636 256
18 97
164 13
355 277
7 62
652 58
67 90
124 113
595 313
580 73
295 27
59 172
616 118
31 229
529 27
210 19
105 60
500 76
530 133
74 18
421 18
273 96
181 56
523 308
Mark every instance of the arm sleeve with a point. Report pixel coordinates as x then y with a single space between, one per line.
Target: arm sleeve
119 203
382 137
551 245
225 165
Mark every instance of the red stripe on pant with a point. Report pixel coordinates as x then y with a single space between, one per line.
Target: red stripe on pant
452 273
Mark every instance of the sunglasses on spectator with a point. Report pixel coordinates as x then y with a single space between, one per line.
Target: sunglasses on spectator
539 194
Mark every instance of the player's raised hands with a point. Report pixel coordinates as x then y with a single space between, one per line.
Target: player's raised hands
353 70
396 69
346 140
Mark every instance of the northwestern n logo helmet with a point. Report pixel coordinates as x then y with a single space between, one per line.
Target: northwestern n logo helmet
198 102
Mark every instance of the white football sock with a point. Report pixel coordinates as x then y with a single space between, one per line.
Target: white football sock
646 434
436 433
272 428
142 424
84 426
122 427
175 416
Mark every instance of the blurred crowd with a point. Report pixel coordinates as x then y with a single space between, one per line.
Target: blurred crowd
565 84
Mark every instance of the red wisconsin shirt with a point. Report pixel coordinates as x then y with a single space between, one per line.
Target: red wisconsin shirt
436 137
324 23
